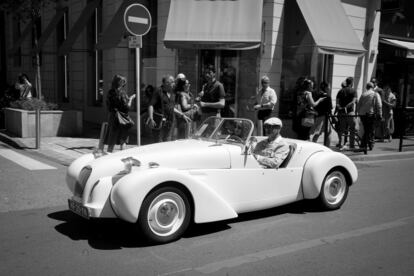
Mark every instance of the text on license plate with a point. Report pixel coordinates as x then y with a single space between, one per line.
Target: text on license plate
77 208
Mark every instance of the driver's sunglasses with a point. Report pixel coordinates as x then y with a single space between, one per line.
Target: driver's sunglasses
238 127
271 126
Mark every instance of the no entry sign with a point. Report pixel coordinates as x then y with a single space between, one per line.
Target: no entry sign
137 19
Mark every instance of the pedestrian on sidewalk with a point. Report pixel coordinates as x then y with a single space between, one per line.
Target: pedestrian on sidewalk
345 106
212 96
305 106
117 101
186 110
23 87
370 110
161 118
323 109
388 103
265 100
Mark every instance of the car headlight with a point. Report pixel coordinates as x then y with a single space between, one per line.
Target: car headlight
129 162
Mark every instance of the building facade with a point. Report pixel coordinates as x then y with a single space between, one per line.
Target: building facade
83 44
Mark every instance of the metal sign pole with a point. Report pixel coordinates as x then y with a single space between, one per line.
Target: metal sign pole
138 97
137 21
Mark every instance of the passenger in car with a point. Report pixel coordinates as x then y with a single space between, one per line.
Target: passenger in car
271 152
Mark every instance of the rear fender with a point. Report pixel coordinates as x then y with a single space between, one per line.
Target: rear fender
129 192
317 167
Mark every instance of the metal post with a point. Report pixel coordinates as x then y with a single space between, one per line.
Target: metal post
325 131
404 108
38 128
259 127
104 128
138 101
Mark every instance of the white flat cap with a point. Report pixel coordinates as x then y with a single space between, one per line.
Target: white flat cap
274 122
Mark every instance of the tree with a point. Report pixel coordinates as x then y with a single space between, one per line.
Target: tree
25 11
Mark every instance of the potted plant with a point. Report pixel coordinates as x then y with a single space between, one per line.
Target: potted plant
20 119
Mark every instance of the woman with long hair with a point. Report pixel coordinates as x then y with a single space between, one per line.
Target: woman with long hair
117 100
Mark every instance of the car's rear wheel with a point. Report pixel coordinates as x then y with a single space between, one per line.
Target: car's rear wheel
165 215
334 190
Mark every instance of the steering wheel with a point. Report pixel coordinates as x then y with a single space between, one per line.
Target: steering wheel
234 138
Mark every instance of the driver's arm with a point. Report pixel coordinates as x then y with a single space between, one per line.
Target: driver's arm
275 159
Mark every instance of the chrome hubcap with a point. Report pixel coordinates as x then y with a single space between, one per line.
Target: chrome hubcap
166 214
335 186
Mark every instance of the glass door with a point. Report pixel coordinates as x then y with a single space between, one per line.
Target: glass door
226 64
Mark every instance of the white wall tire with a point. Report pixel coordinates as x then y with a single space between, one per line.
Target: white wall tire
334 190
165 215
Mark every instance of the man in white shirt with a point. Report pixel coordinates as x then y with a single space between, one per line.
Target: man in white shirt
265 100
271 152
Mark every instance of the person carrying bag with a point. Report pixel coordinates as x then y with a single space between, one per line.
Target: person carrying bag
119 122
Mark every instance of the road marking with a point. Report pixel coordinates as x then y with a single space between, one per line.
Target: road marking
139 20
291 248
24 161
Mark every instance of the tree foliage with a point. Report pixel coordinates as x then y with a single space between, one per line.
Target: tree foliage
24 9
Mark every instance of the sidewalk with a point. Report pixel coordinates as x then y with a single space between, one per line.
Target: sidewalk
66 149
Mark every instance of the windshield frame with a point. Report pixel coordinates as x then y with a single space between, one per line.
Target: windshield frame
212 131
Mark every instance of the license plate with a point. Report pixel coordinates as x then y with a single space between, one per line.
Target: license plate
77 208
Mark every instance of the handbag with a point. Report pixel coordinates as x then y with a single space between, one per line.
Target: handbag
309 118
123 119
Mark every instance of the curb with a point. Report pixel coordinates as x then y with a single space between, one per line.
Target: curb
66 160
382 156
10 141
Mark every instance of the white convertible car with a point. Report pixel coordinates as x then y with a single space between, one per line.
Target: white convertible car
212 176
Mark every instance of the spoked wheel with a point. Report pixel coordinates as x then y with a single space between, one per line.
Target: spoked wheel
165 215
334 190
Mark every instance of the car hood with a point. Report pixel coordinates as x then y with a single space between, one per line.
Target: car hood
180 154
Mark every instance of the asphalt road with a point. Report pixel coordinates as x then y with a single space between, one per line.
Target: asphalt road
370 235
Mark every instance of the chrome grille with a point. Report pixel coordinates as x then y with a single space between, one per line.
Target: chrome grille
83 178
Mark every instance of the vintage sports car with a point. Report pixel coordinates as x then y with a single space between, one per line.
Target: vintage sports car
212 176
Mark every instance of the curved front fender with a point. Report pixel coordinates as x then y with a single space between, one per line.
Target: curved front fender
130 191
74 169
318 165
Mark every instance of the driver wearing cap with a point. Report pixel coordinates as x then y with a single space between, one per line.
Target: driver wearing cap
271 152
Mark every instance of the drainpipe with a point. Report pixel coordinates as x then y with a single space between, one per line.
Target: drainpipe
374 10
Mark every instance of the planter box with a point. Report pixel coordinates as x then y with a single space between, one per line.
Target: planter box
22 123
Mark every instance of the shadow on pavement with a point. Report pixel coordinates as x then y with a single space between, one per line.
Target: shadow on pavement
112 234
103 234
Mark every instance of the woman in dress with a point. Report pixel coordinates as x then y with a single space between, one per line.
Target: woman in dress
187 110
117 100
305 103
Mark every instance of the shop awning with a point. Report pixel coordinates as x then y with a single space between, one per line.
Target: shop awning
50 28
407 45
77 28
16 45
202 24
331 30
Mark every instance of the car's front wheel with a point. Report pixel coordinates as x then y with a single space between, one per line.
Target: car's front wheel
334 190
165 215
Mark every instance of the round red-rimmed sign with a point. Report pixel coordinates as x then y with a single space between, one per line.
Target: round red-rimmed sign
137 19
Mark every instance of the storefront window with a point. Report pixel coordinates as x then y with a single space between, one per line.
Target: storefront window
95 59
396 18
17 57
62 61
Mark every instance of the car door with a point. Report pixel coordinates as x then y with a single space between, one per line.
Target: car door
248 187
